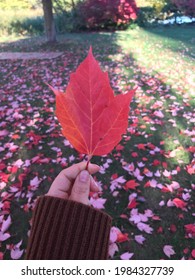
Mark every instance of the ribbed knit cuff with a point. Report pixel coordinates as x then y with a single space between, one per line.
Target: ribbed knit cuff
64 229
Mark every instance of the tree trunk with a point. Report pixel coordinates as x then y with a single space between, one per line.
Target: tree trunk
49 21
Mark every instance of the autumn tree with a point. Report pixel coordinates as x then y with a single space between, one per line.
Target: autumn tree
185 6
49 20
102 13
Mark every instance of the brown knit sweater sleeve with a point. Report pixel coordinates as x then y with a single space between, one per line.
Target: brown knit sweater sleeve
64 229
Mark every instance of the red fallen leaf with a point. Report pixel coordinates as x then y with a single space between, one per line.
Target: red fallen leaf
4 177
173 228
132 204
165 189
21 178
34 137
147 184
134 154
15 136
160 230
92 118
190 229
191 149
131 185
6 205
186 250
114 176
119 147
156 162
151 146
193 253
190 169
14 169
122 237
181 216
2 166
164 164
179 203
141 146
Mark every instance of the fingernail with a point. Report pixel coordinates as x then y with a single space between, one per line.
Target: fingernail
84 176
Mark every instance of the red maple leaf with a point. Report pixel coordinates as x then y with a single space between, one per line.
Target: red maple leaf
132 204
92 118
122 237
179 203
141 146
131 184
190 229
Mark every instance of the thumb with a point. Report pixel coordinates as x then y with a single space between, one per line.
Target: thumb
81 188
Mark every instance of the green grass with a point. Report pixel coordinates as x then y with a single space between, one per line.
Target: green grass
160 62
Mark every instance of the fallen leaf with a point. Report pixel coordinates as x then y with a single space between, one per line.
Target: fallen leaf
126 256
168 250
179 203
16 253
139 239
131 184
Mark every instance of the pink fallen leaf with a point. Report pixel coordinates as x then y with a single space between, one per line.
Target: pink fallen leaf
4 133
144 227
16 253
126 256
18 163
6 224
139 239
113 234
98 203
4 236
35 182
168 250
113 248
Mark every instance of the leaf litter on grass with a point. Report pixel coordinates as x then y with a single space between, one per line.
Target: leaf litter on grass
147 182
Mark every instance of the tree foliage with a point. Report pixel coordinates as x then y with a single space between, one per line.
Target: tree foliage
185 6
102 13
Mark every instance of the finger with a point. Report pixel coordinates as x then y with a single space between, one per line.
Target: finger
72 172
62 184
81 188
94 186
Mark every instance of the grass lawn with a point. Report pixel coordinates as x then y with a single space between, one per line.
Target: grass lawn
147 182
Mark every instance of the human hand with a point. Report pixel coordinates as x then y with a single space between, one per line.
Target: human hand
75 183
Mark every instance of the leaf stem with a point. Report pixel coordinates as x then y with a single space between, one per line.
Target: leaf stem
88 161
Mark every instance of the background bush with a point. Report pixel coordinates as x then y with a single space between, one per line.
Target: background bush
23 22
